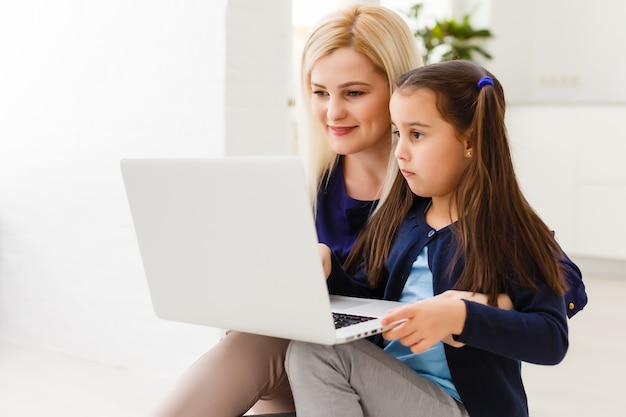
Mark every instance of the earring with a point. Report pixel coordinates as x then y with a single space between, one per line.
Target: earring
469 154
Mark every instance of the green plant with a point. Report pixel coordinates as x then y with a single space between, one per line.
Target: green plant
458 40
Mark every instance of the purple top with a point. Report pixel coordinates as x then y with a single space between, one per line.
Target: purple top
340 218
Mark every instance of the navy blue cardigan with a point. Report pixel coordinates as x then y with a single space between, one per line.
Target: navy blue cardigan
487 370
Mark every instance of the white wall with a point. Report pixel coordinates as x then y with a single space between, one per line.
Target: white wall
562 73
259 78
561 51
84 83
569 161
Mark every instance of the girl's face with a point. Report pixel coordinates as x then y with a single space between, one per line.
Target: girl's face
351 101
431 155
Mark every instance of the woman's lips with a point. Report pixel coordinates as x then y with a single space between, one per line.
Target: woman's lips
340 130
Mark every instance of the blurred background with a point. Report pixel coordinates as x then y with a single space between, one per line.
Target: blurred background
84 83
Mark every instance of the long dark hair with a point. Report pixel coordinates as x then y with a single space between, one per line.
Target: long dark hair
502 241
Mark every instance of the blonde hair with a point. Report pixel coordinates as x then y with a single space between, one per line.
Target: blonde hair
376 32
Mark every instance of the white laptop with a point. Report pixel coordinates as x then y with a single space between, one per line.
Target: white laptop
231 243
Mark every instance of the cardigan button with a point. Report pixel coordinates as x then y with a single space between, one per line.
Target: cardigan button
431 233
570 306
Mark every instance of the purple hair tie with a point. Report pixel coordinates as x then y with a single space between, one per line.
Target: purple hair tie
486 80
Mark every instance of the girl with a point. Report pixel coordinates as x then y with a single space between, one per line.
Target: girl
457 220
349 64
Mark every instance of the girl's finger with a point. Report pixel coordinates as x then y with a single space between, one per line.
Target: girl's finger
400 331
421 346
410 340
396 314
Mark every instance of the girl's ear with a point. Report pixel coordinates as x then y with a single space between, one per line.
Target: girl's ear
467 139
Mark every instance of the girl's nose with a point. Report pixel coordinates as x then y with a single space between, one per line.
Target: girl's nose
399 152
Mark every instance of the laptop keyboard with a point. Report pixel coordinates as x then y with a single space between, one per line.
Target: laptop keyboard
343 319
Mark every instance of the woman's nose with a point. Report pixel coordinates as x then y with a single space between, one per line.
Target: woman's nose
336 109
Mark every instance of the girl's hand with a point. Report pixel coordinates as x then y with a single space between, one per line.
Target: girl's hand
325 254
427 322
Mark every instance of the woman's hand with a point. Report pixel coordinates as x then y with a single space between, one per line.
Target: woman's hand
504 301
325 254
427 322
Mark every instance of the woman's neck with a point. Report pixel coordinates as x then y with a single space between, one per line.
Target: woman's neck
364 174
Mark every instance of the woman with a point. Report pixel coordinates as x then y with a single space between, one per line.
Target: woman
349 65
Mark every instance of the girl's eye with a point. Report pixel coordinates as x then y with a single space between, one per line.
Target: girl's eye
355 93
320 93
417 135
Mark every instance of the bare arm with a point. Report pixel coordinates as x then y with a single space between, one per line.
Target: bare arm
325 254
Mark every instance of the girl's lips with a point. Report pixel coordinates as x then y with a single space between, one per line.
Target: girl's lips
406 173
340 130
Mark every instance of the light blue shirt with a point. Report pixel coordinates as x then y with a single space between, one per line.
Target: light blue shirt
431 364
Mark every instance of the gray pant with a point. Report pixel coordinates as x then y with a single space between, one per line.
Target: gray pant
360 379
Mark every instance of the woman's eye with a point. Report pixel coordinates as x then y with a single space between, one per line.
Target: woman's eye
395 136
320 93
355 93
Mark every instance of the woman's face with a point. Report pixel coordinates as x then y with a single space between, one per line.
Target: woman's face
351 101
